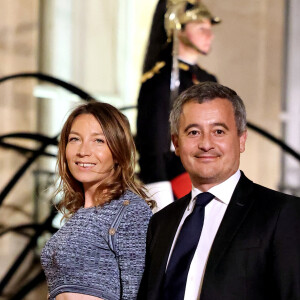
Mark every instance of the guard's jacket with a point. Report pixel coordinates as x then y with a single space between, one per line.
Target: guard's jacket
157 162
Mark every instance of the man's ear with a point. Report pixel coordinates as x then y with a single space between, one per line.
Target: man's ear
243 139
175 143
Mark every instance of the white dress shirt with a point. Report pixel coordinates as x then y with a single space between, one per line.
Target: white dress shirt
214 213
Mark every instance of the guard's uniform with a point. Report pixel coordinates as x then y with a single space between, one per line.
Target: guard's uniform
157 162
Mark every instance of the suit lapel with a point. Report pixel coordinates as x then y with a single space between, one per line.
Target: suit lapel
161 244
235 214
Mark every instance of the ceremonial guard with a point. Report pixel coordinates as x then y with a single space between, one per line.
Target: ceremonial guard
181 32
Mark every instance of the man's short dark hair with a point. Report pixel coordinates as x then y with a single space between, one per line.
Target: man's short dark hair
205 92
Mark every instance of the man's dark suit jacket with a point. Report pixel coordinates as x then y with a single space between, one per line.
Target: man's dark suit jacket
255 254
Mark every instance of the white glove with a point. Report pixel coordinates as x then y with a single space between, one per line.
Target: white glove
161 192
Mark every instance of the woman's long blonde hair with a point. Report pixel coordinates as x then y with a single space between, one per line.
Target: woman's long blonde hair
116 129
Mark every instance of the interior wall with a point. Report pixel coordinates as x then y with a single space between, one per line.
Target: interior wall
19 31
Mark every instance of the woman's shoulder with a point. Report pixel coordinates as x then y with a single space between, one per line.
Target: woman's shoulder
135 203
134 200
129 201
130 195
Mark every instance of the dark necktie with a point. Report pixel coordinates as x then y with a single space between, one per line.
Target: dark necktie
183 252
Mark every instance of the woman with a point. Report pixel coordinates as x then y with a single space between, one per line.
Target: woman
99 252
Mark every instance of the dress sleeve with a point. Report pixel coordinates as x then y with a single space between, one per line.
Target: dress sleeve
130 247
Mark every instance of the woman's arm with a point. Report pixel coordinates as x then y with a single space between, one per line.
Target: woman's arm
131 247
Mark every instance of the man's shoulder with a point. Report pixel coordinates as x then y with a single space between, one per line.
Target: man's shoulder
274 195
267 194
173 208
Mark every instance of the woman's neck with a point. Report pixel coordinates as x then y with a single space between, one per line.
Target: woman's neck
88 197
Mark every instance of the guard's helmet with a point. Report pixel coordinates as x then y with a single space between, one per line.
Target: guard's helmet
168 15
180 12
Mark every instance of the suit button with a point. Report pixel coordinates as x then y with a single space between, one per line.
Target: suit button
126 202
112 231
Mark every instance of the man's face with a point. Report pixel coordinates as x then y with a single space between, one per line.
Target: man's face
199 34
208 143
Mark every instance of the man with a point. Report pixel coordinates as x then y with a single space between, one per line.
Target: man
158 164
249 247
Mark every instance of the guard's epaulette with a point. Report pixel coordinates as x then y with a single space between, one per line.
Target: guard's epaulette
183 66
153 71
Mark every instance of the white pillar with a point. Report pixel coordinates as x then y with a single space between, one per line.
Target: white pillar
291 167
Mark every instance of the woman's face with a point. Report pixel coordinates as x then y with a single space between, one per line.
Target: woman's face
88 156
